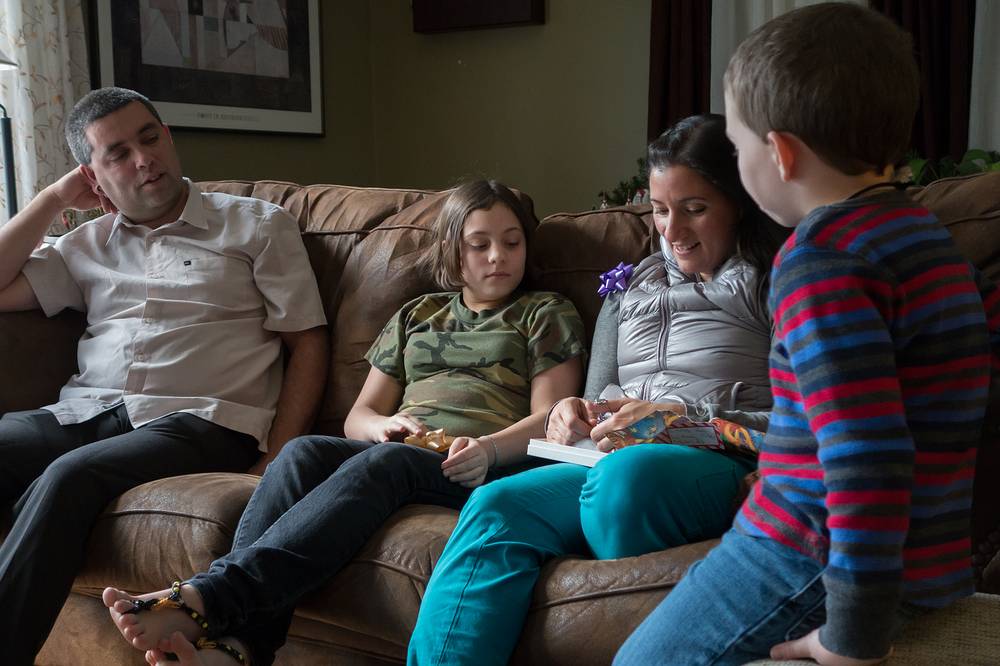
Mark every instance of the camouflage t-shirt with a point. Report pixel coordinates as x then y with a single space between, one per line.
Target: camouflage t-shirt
470 373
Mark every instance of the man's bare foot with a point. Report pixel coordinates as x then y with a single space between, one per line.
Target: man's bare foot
188 655
146 629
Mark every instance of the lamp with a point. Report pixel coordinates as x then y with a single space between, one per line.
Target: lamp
8 146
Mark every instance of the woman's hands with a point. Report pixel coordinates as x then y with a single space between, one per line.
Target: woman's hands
625 412
395 428
571 420
467 462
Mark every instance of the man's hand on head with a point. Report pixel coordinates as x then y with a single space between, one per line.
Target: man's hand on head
78 190
105 203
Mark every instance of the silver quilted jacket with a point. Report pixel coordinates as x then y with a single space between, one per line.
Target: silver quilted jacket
695 342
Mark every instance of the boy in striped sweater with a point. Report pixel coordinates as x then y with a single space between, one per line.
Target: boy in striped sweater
880 368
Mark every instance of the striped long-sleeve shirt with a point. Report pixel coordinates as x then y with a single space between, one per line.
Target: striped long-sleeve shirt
880 369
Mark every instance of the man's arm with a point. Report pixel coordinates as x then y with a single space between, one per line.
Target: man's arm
21 235
18 296
301 389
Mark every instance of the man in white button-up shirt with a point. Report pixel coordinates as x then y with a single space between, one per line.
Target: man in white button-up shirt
189 298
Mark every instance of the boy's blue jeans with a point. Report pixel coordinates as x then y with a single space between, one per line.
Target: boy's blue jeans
745 597
641 499
748 595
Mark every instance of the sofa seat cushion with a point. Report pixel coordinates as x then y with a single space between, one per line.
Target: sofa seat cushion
378 594
584 609
371 604
164 530
169 529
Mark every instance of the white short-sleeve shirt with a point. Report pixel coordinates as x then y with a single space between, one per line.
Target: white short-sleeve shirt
182 318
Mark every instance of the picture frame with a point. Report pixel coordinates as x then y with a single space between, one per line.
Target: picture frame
432 16
238 65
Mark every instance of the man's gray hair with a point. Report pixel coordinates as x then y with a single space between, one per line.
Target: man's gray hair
93 106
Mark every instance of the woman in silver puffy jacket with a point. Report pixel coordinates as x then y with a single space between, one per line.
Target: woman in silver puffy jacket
690 333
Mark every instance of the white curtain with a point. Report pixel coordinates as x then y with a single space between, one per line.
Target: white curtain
732 21
46 38
984 109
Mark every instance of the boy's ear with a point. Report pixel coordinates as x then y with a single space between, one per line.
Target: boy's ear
785 153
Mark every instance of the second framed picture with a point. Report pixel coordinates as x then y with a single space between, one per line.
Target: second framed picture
249 65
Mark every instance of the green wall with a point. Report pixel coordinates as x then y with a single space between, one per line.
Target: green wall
558 110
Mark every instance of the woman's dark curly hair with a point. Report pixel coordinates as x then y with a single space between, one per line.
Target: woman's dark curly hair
700 143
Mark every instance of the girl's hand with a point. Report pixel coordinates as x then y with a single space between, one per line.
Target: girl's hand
467 462
627 411
570 421
394 428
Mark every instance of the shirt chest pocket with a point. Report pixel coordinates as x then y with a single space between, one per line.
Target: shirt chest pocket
218 277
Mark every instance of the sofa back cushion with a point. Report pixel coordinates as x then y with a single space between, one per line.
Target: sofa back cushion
969 206
363 244
571 250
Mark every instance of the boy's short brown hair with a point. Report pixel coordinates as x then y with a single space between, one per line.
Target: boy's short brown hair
840 77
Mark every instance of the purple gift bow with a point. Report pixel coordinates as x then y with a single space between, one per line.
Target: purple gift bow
616 279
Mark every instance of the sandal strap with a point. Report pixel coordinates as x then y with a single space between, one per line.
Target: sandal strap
171 601
205 644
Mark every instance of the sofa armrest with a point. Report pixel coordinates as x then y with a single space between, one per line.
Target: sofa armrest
37 356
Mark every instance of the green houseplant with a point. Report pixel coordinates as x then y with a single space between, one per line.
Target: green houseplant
623 192
916 169
923 171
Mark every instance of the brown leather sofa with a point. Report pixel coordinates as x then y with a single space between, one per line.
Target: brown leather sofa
362 244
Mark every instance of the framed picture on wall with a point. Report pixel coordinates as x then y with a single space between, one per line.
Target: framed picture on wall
249 65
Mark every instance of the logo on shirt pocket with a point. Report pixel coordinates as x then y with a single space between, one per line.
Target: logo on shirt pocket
193 267
213 278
